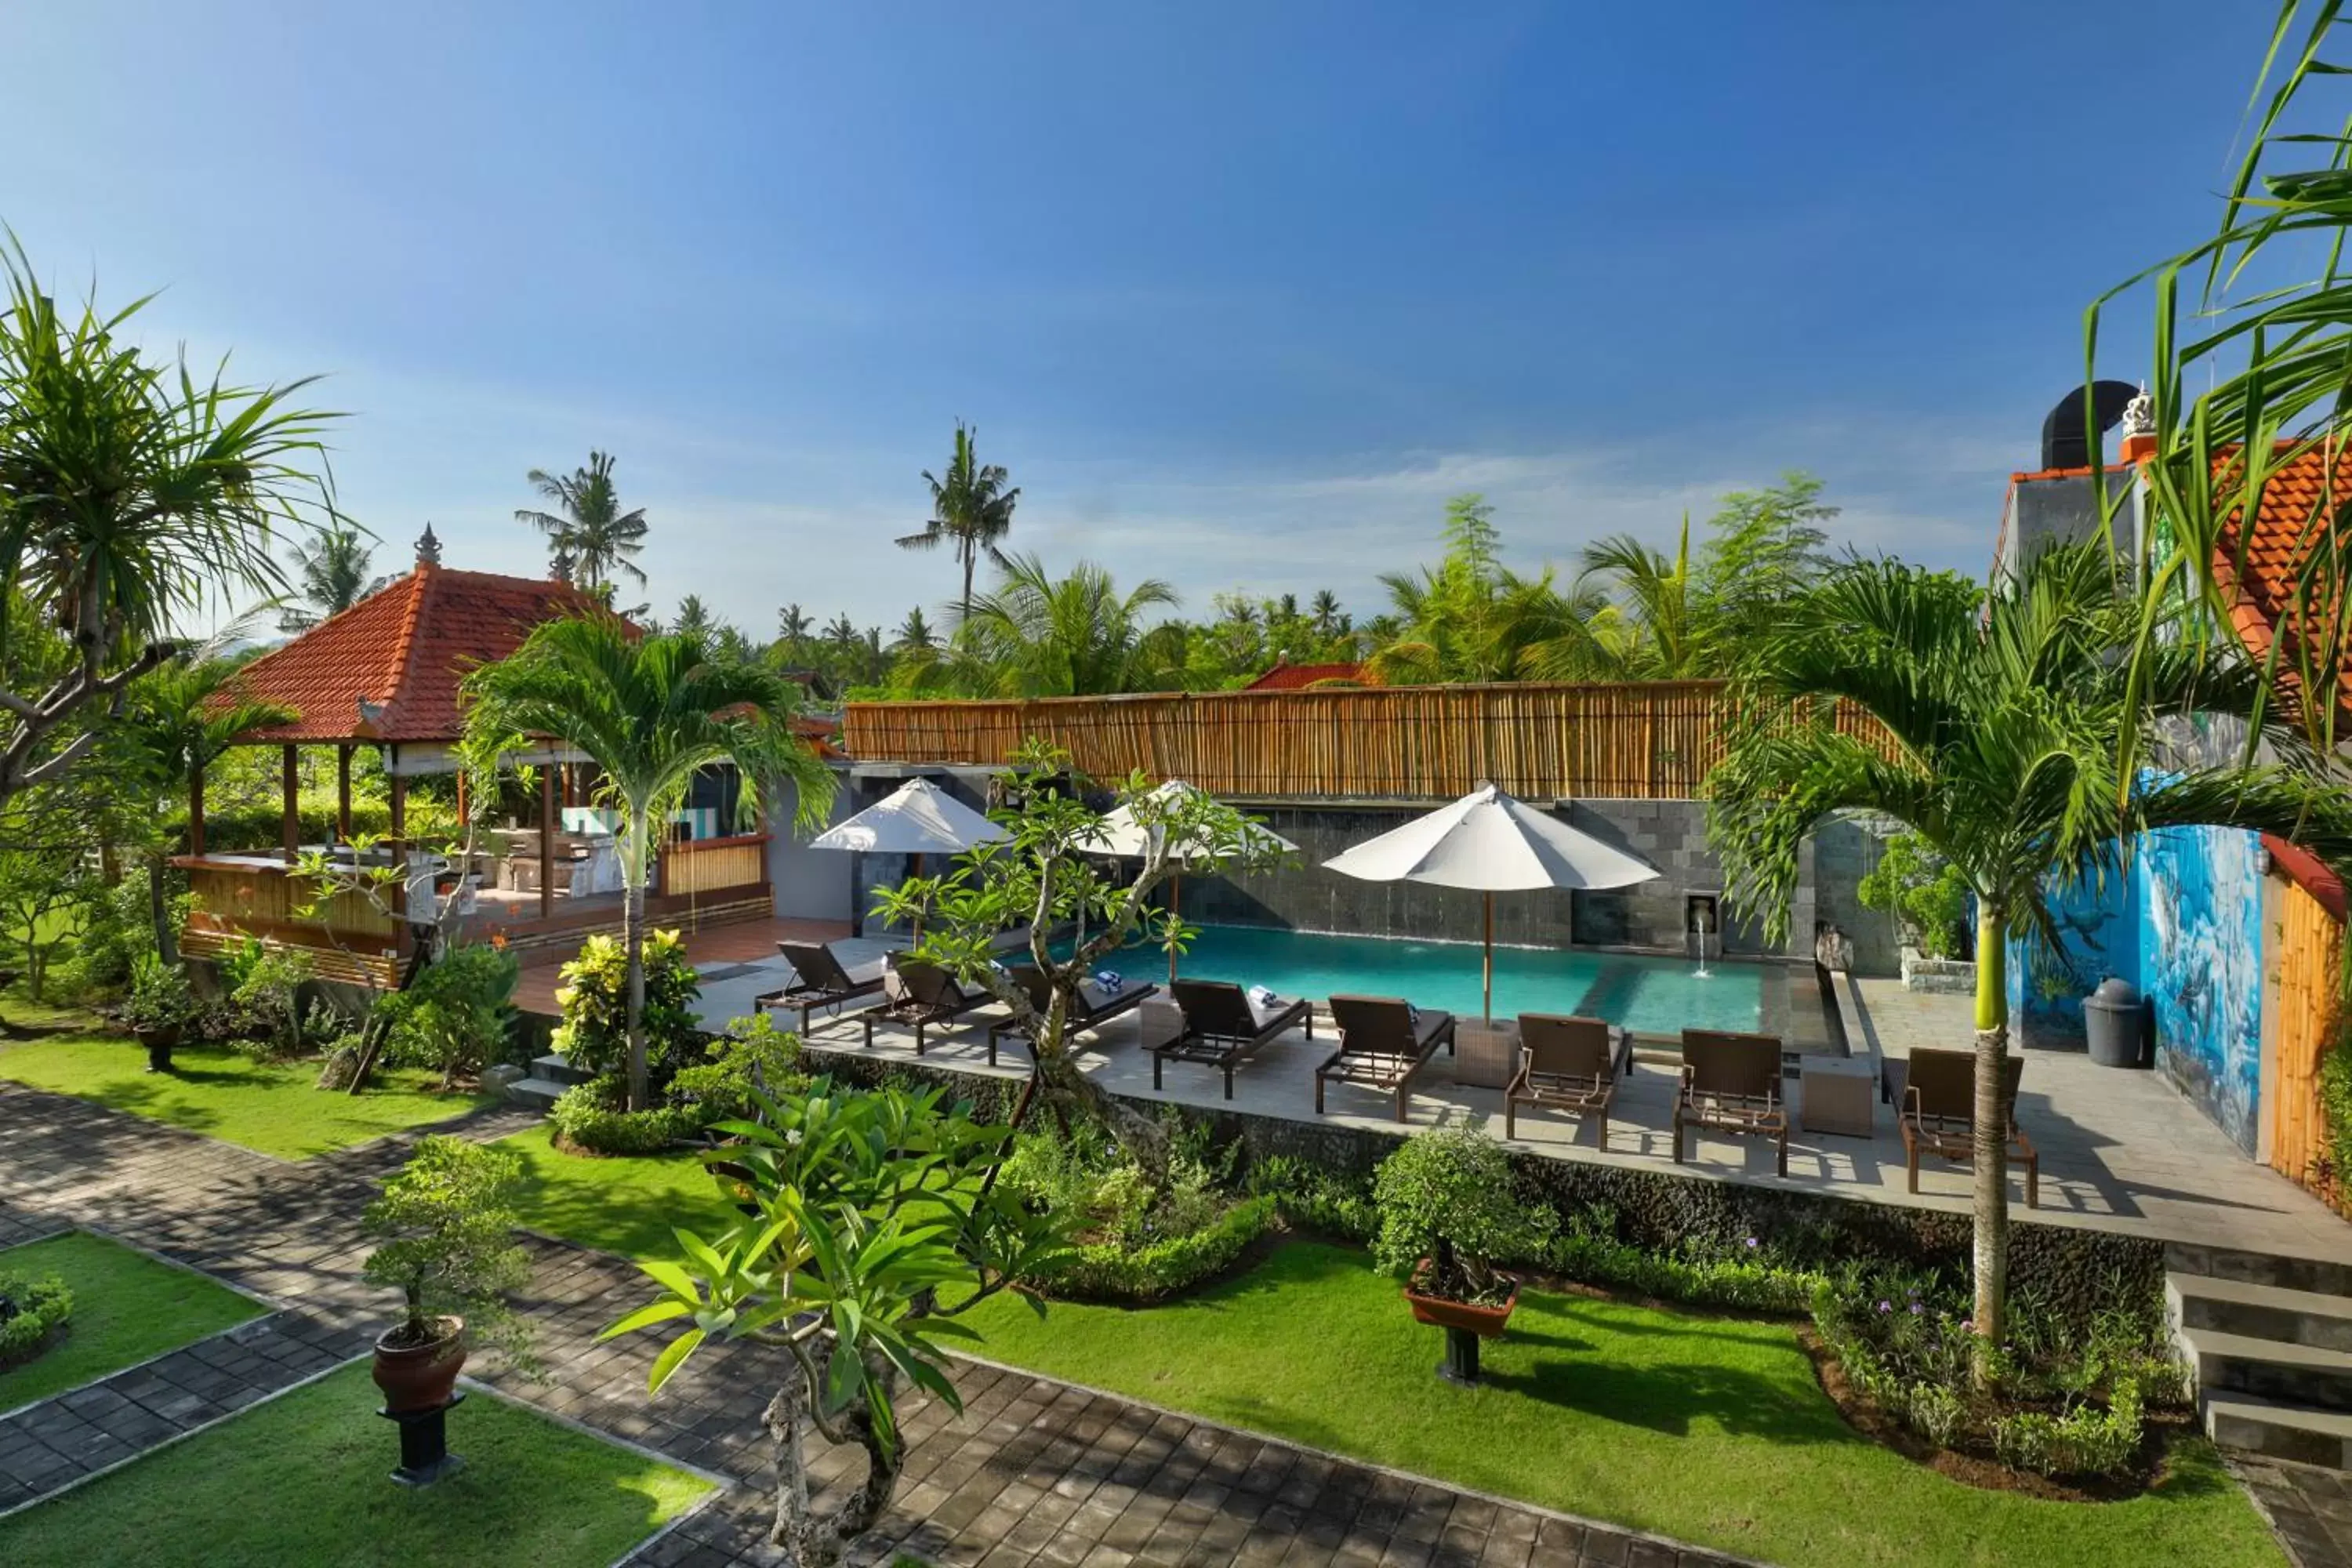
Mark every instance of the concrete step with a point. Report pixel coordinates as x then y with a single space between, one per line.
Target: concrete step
554 1068
2318 1275
2259 1425
537 1093
2259 1312
2302 1375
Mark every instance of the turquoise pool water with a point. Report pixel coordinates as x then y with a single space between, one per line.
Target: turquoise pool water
1649 995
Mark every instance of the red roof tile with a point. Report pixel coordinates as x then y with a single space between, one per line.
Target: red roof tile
403 649
1300 677
2306 504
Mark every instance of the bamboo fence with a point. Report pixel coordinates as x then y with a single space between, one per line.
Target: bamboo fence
1653 740
2310 954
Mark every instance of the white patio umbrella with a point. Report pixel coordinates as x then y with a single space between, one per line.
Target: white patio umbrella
1494 843
918 818
1122 835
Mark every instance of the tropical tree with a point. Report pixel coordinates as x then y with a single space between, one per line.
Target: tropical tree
131 493
591 540
914 634
2001 714
1470 619
650 712
971 511
1664 631
693 617
794 627
1324 610
1038 635
330 576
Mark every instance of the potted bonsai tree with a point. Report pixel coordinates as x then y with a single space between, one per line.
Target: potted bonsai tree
447 1221
1447 1213
160 1005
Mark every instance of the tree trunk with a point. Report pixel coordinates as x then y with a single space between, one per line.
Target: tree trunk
971 554
159 910
1991 1161
633 942
815 1539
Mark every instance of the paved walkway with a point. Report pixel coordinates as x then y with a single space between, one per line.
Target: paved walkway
1032 1472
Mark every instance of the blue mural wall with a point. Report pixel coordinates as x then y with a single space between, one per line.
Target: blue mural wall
2183 923
2202 966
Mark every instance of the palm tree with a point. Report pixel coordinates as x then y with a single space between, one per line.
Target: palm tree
693 616
1036 636
914 633
650 712
1666 637
331 573
589 537
971 508
2003 714
1471 618
793 626
175 722
1324 612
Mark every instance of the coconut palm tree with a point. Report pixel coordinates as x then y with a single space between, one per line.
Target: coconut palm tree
971 510
175 720
2002 714
588 533
1665 636
1324 613
1471 618
794 626
914 633
650 712
130 494
330 576
1038 635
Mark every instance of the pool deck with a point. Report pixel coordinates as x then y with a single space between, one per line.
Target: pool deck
2120 1150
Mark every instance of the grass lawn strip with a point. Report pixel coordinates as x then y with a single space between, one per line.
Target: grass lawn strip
128 1307
623 1203
1712 1431
304 1478
271 1108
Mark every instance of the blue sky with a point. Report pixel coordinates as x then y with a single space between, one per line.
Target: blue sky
1240 293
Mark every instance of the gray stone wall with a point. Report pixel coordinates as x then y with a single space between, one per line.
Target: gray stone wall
1844 853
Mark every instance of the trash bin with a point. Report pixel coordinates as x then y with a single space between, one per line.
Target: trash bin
2115 1021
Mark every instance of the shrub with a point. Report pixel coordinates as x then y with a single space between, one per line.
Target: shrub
117 930
160 997
2084 1441
447 1221
1446 1196
753 1055
455 1018
1747 1278
1132 1242
594 1033
269 996
30 1311
587 1114
1312 1198
1155 1271
1924 891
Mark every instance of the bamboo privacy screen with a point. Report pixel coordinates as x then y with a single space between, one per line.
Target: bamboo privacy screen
1648 741
2309 952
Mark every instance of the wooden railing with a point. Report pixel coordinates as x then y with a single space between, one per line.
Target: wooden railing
235 897
1648 741
711 864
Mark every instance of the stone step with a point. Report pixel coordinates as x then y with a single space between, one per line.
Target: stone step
2320 1275
2260 1425
555 1068
2259 1312
538 1093
2302 1375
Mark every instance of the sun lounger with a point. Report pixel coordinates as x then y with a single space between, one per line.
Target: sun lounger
1223 1027
1090 1009
1939 1115
1731 1083
932 997
1568 1064
818 981
1382 1046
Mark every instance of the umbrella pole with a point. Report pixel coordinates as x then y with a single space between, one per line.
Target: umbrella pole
1487 1001
1175 900
916 874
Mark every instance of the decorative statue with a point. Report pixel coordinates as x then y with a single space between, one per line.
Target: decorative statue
2139 415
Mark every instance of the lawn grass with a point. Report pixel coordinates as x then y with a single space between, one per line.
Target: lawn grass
305 1479
623 1203
274 1109
1714 1431
127 1306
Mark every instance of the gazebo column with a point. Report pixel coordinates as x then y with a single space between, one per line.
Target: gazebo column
400 844
547 840
343 793
290 818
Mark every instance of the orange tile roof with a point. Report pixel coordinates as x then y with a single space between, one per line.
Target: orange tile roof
1300 677
404 650
2304 505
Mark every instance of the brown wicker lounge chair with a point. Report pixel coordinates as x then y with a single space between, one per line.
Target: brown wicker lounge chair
1567 1064
932 998
1731 1083
1090 1009
1223 1027
1939 1114
819 980
1382 1046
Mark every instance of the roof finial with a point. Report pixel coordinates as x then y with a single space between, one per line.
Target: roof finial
428 548
2139 415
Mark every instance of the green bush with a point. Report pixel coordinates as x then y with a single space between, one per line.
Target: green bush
1447 1196
1311 1198
268 995
447 1221
587 1114
1132 1244
454 1019
1154 1270
117 930
1745 1278
160 996
593 1035
1924 891
753 1055
30 1311
2084 1441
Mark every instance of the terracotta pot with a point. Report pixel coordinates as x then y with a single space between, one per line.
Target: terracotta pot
420 1377
159 1043
1444 1312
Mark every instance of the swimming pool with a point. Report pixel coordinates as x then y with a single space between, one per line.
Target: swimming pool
1648 996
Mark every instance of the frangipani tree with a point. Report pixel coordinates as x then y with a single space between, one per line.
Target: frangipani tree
649 712
1048 873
